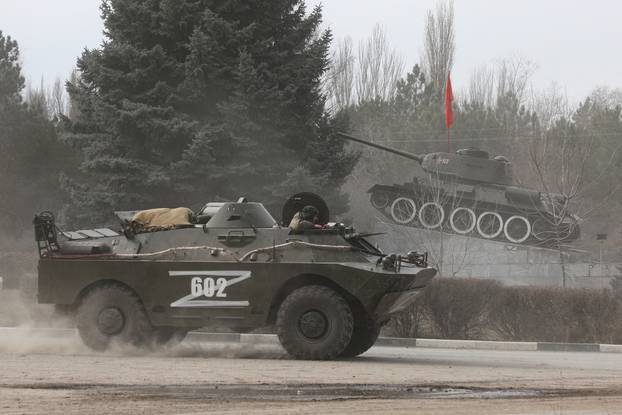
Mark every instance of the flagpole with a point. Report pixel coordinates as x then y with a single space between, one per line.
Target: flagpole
449 114
448 140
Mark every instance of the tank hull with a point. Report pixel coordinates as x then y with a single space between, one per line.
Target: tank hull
470 193
510 214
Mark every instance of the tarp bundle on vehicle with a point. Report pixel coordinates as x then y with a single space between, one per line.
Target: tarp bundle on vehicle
163 217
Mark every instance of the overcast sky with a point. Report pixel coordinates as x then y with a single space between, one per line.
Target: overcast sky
576 44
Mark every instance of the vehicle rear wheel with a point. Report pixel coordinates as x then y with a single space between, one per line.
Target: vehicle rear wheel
363 338
113 314
314 323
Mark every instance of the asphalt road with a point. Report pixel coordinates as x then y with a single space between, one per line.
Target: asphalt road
40 375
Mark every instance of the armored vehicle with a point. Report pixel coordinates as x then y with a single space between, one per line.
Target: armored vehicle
469 193
327 289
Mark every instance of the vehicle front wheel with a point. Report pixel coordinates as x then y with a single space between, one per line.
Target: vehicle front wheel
314 323
113 314
363 338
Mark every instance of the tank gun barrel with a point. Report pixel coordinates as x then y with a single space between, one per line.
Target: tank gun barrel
418 158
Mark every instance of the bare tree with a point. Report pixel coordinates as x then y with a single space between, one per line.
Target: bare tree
379 68
37 98
507 77
513 76
607 97
372 74
57 100
48 101
72 111
439 44
551 105
482 87
340 79
561 162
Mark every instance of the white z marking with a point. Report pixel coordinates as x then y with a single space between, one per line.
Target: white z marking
210 284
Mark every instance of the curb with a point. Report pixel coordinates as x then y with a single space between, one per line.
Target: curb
569 347
272 339
477 345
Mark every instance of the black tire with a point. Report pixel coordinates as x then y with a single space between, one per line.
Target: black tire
314 323
363 338
113 314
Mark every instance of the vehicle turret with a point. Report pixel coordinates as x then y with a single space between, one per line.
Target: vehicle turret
468 164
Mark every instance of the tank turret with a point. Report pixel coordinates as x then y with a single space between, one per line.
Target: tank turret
472 194
469 164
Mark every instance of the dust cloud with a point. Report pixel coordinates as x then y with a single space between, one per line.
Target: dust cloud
31 340
30 328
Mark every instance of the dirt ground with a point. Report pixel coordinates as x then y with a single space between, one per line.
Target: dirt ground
40 374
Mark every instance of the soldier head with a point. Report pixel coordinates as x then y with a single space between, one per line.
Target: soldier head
309 213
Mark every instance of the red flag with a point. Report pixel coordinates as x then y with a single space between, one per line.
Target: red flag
449 98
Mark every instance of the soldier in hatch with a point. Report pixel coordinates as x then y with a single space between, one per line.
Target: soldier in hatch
307 218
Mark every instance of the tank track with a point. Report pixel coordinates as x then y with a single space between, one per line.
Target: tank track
500 223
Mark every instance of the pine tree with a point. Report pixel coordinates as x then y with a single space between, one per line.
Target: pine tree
31 157
195 100
11 79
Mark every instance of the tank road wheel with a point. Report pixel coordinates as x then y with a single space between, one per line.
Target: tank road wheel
314 323
462 220
364 336
517 229
113 313
542 230
489 224
403 210
431 215
380 200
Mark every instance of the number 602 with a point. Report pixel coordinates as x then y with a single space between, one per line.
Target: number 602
208 287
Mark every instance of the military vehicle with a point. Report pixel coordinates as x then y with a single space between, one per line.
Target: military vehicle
327 289
469 193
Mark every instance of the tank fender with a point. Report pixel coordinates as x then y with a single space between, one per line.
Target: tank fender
525 197
384 188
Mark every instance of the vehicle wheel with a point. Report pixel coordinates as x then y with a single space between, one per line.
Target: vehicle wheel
541 230
489 225
431 215
113 313
314 323
517 229
462 220
380 200
403 210
363 338
168 336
